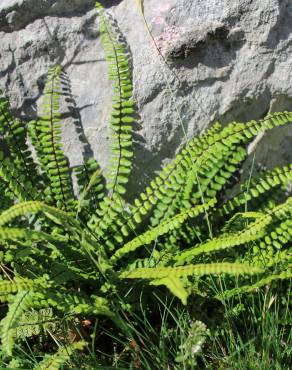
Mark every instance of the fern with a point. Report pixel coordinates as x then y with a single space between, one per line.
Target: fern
266 183
163 228
165 187
16 181
33 207
48 132
253 287
121 119
121 127
7 287
91 185
34 322
14 135
253 232
198 270
55 361
8 325
74 254
175 285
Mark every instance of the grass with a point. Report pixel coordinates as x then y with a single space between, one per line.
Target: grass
256 332
242 333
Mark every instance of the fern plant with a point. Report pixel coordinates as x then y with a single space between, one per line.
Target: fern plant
77 255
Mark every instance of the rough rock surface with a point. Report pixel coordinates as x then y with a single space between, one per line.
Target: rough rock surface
226 59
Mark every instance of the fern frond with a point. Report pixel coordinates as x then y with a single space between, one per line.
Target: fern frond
121 120
238 219
48 133
228 241
17 182
32 322
253 232
161 229
55 361
32 207
254 287
20 304
91 185
212 178
77 303
13 233
6 196
14 134
108 221
191 270
175 286
270 250
121 133
156 260
196 155
186 180
267 182
8 287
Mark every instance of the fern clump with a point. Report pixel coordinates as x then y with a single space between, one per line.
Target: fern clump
77 255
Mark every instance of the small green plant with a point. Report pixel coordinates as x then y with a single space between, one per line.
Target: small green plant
78 255
192 346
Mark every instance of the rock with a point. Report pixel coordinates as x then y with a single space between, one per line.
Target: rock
16 14
225 60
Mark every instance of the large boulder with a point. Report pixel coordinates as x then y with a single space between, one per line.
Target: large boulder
204 61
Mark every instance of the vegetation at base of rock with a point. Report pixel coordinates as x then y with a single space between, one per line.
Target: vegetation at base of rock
71 259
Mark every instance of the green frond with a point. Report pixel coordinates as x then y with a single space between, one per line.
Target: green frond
6 196
157 259
47 135
91 185
121 121
32 207
8 287
236 221
253 189
271 250
79 304
209 180
33 322
17 182
13 233
225 242
253 231
254 287
191 270
107 222
161 229
175 286
201 186
197 154
121 135
14 134
8 325
57 360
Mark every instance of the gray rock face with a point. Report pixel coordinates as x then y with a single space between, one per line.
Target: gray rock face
226 60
